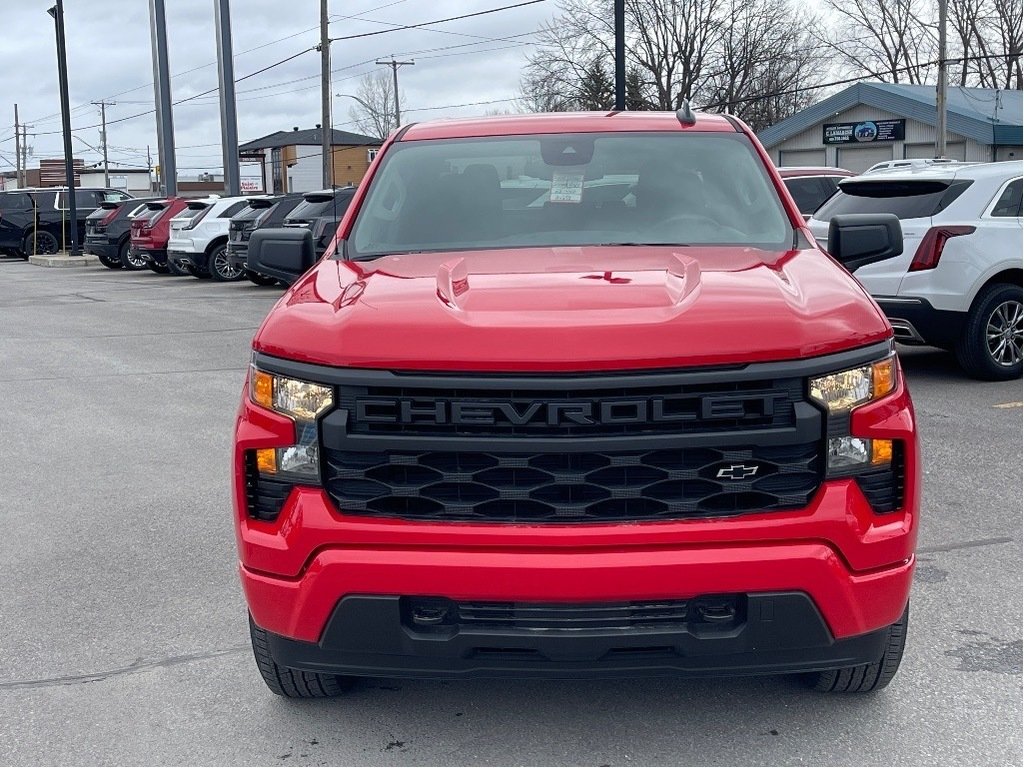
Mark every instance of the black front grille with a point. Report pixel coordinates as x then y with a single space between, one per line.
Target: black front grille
264 496
579 486
677 408
883 488
239 231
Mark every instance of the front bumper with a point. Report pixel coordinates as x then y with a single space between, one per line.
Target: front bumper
851 565
772 633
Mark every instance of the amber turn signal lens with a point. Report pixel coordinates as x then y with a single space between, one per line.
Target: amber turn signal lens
883 375
266 461
262 388
881 451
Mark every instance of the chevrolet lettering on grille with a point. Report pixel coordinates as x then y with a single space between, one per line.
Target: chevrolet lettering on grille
563 413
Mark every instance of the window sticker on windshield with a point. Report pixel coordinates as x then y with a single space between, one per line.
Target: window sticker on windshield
566 187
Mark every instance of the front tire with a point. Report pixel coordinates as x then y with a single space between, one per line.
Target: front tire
175 270
868 677
110 263
992 344
292 683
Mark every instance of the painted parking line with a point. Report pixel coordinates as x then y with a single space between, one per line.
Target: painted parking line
1016 404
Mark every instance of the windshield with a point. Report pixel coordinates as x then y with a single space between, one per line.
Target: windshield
570 189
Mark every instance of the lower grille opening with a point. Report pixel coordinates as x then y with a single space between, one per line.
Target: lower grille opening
884 488
264 497
707 613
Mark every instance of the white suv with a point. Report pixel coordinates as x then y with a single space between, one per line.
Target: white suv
199 237
958 283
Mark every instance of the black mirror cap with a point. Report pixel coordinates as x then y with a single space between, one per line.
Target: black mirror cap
858 239
285 253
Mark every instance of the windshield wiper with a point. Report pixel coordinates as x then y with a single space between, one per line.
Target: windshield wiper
633 244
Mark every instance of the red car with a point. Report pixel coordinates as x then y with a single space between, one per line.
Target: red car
811 186
630 422
149 236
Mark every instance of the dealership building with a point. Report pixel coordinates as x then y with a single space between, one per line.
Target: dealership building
869 123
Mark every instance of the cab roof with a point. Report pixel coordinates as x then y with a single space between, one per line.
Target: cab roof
562 122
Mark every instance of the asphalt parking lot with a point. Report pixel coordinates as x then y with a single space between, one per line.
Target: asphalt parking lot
124 637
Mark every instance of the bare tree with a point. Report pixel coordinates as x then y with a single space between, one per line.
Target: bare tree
727 52
887 39
767 64
985 40
374 110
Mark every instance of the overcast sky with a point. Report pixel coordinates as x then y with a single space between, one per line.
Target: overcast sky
108 45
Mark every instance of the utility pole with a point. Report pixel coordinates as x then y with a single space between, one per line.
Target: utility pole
24 151
57 12
940 91
103 135
228 117
620 55
326 130
17 146
394 74
162 91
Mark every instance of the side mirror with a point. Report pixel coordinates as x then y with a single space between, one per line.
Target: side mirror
284 253
858 239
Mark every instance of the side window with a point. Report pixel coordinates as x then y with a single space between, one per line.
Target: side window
808 192
231 210
86 199
15 202
1009 202
110 196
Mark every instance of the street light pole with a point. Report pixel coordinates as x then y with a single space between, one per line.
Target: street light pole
57 12
620 55
940 91
326 129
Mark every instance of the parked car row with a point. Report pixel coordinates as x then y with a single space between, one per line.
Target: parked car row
37 220
207 237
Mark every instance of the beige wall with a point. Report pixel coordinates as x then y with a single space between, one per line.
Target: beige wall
350 164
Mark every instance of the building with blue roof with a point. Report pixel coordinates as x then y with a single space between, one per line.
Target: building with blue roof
869 123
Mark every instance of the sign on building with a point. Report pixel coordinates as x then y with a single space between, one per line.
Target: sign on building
864 132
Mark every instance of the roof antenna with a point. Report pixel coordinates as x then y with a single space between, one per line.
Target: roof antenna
685 114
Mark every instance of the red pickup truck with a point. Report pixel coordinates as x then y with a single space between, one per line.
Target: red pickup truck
575 395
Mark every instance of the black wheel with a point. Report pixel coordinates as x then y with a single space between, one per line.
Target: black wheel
175 270
220 265
992 344
868 677
39 242
130 261
160 269
292 683
258 279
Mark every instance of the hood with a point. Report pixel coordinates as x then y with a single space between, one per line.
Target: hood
572 309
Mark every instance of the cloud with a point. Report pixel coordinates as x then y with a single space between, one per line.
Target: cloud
108 44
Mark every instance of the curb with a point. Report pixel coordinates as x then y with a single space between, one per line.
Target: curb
63 260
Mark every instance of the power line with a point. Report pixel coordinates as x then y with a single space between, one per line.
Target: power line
437 21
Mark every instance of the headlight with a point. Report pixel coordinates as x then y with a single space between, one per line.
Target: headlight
301 400
843 391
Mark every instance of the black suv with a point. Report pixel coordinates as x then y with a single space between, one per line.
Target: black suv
262 212
108 230
320 212
35 220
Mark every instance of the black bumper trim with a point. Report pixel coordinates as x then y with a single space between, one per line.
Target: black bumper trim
936 327
371 636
